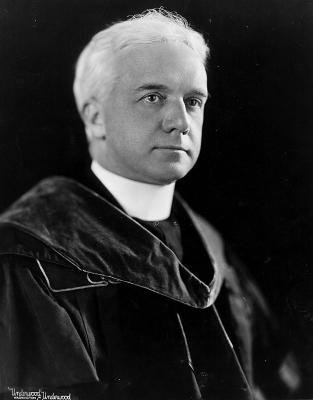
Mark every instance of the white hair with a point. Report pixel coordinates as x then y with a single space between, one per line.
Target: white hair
94 69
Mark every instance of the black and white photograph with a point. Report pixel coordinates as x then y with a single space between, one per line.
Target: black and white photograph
156 206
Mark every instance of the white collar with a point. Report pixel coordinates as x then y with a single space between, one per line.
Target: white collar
140 200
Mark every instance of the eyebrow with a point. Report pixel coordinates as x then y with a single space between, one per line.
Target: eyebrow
151 86
156 86
201 93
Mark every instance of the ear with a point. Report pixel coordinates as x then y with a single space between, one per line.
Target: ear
93 119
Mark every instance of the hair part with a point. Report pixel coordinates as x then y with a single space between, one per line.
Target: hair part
94 75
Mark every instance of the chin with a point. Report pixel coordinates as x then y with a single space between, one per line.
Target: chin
170 176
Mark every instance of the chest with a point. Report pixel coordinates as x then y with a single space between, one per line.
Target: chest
151 346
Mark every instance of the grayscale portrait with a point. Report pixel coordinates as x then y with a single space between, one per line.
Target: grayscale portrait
155 220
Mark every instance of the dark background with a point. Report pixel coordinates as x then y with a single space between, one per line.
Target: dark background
254 177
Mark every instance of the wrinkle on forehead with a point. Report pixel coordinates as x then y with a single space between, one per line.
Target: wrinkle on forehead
168 63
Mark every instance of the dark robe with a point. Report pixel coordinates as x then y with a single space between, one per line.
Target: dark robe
96 304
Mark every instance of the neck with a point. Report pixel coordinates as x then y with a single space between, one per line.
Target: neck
140 200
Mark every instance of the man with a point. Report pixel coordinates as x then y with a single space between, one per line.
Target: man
112 287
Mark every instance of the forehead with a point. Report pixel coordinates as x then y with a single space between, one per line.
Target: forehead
173 64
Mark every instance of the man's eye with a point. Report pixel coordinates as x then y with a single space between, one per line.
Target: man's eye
193 103
152 98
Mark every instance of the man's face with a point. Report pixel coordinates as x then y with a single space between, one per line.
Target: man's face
160 92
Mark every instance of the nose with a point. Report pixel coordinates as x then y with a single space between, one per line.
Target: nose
176 118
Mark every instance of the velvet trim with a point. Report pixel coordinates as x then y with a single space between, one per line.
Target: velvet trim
85 231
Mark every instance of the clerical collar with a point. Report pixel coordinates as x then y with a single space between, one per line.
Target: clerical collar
140 200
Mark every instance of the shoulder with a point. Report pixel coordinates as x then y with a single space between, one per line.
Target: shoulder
49 194
28 228
49 210
243 290
236 275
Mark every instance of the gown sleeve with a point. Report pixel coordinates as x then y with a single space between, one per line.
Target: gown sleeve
40 346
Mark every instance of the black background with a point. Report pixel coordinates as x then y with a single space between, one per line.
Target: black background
254 177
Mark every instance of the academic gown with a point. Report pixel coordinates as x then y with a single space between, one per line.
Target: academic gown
94 304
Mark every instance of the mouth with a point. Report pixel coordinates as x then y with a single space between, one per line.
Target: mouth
172 148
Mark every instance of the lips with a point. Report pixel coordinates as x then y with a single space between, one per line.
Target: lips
172 147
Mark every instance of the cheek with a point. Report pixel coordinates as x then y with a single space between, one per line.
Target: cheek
196 141
147 118
197 136
131 141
